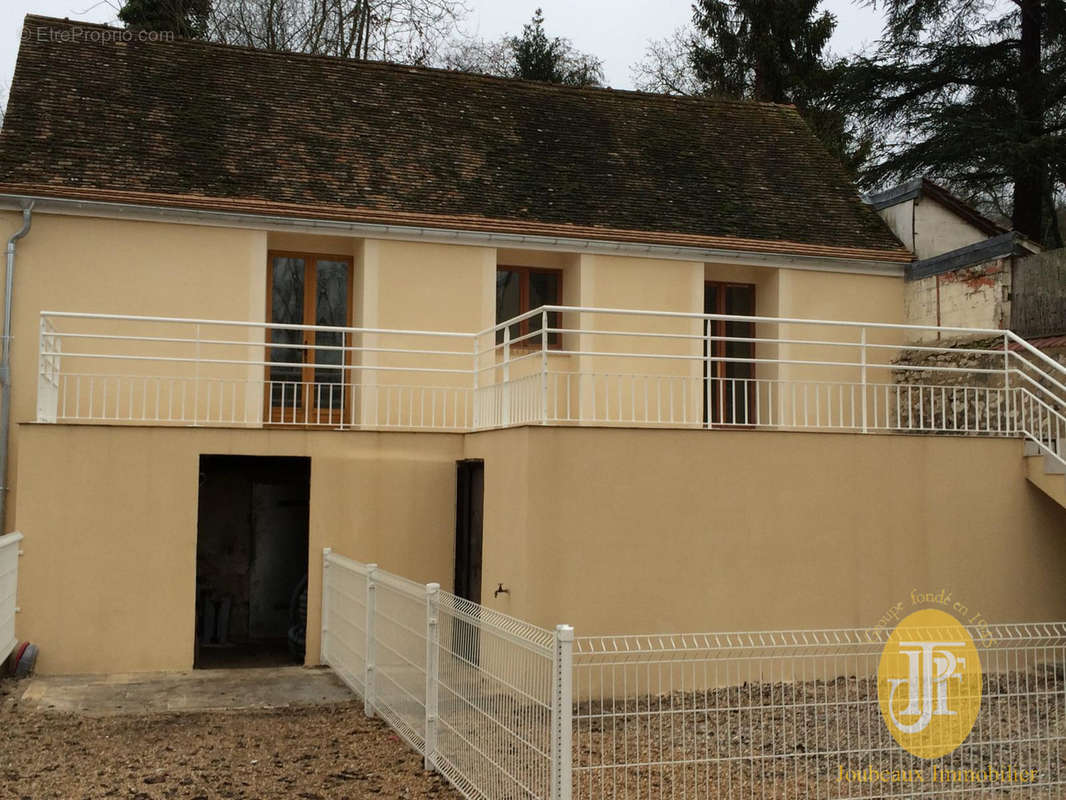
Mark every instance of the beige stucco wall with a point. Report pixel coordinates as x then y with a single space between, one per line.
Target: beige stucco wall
107 582
610 530
99 265
623 531
69 263
421 287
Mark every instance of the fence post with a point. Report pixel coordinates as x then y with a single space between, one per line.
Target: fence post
323 651
707 373
1008 416
476 414
562 712
544 367
862 360
196 383
505 412
368 677
432 673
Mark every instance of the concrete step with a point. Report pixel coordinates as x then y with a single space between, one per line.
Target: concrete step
1053 484
1052 466
1031 448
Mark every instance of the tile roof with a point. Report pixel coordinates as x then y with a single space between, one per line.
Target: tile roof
94 113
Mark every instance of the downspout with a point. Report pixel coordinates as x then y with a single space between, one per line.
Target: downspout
5 358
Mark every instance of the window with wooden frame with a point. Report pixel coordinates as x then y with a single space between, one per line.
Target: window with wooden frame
522 289
306 382
729 394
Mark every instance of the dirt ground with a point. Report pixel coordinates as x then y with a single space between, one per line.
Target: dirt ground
327 752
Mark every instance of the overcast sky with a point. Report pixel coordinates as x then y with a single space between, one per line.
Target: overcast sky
615 30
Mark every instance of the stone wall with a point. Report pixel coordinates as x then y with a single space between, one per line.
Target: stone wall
976 296
960 390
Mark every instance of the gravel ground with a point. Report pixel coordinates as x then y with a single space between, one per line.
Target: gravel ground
315 753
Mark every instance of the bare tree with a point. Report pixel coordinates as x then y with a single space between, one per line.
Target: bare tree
404 31
667 67
480 56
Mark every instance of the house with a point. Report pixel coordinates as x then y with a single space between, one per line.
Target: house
582 355
964 263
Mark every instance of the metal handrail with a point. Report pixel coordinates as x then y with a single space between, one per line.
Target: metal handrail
502 384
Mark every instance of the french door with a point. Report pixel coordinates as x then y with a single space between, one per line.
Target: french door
729 388
306 382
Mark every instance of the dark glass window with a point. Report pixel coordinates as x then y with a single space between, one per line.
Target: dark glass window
522 289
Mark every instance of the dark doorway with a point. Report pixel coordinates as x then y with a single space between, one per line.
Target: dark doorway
729 388
251 561
469 508
469 513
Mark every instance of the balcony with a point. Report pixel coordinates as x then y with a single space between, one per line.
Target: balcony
553 366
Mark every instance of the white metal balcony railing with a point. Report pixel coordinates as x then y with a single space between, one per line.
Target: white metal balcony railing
556 365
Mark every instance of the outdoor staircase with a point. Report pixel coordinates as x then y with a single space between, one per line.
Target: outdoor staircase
1045 471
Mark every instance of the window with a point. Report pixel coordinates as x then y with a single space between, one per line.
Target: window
730 390
522 289
307 381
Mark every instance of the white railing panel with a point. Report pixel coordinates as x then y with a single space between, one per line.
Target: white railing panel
611 367
399 642
494 731
343 644
468 688
9 568
779 715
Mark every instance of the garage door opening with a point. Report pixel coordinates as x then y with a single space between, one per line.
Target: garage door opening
251 561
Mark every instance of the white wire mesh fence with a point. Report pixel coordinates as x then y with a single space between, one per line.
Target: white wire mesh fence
9 571
504 709
474 691
494 702
796 715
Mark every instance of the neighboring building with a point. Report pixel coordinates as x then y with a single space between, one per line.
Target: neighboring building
260 310
964 262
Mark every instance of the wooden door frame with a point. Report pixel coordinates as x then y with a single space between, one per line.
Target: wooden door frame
718 329
523 274
272 414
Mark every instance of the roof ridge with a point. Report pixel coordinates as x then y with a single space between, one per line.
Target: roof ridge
458 75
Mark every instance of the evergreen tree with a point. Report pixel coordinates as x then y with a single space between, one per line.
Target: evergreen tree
768 50
185 18
772 50
540 58
972 91
533 56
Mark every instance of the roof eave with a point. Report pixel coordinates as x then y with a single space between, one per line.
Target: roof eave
507 233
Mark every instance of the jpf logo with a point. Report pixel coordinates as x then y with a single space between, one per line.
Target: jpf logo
929 683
